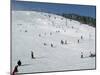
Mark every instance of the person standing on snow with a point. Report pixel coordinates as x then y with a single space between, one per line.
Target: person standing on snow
32 55
81 54
19 63
15 70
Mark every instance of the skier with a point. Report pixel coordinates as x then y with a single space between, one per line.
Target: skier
39 35
45 44
15 70
81 37
50 33
51 45
62 42
32 55
92 55
78 41
19 63
81 54
72 27
25 30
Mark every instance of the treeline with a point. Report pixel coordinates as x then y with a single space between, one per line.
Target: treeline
83 19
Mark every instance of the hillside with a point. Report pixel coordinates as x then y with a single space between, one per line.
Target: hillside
43 34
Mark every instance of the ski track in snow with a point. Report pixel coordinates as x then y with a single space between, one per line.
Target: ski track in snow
31 29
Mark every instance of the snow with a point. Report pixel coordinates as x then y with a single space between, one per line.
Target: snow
31 29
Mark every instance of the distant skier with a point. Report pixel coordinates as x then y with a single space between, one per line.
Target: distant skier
58 31
45 44
25 30
81 37
49 16
62 42
19 63
81 54
72 27
15 70
40 35
32 55
51 45
61 18
92 55
50 33
78 41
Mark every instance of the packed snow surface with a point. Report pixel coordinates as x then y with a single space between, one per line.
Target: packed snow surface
42 33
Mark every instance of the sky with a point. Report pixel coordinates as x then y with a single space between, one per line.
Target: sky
83 10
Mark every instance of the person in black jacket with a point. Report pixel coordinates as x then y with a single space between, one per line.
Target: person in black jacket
19 63
32 55
81 54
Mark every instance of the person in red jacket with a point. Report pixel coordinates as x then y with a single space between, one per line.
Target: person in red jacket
15 70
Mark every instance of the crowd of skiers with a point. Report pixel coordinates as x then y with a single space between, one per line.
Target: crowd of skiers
90 55
19 63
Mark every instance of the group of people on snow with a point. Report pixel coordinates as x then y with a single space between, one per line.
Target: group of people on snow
19 63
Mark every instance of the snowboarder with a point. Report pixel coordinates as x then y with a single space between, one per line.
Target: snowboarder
32 55
81 54
15 70
19 63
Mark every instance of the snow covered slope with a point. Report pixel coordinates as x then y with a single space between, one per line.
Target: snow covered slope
42 33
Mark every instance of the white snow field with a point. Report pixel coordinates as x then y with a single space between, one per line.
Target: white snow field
36 31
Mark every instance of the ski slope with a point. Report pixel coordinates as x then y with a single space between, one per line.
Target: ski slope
31 29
